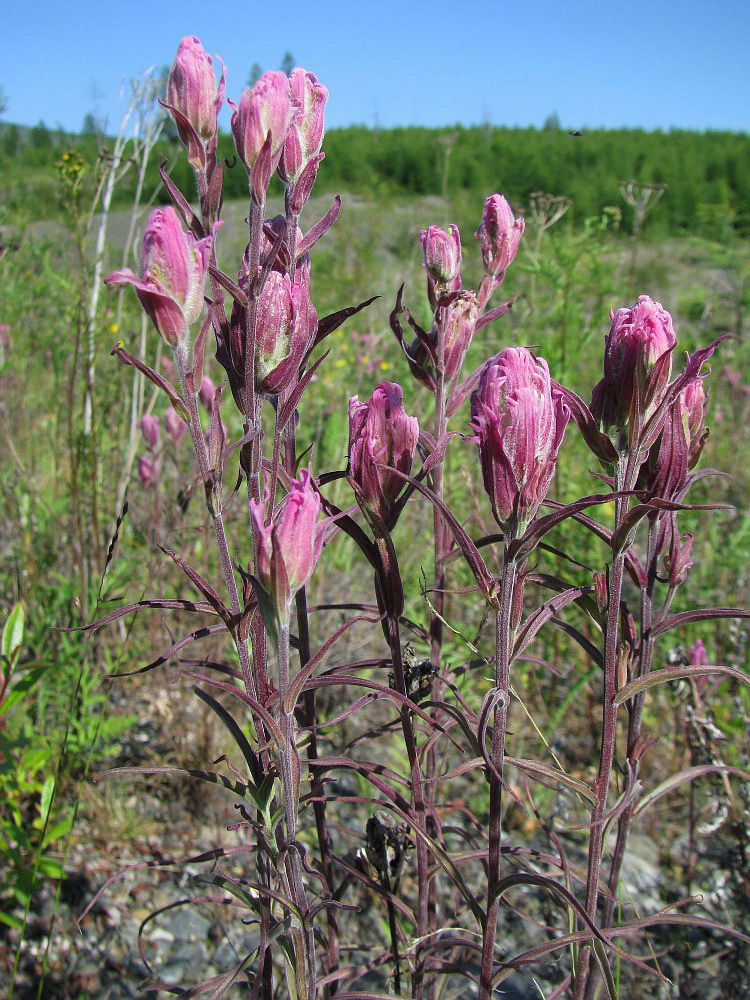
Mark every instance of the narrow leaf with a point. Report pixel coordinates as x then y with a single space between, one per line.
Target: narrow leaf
674 674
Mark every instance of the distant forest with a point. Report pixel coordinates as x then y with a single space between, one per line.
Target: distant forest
707 174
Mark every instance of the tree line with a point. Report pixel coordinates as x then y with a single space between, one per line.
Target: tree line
708 184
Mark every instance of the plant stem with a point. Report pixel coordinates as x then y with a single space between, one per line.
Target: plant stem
390 569
626 473
503 650
289 766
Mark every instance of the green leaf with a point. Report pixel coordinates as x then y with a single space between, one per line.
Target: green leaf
48 793
20 688
51 867
13 633
57 831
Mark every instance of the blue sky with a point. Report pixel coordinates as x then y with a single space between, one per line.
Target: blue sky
663 64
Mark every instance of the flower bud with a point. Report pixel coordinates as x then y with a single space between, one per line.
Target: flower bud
380 434
678 449
173 275
697 654
305 135
460 320
272 229
175 426
194 98
150 430
677 560
148 471
518 421
442 253
287 323
695 399
637 367
499 236
206 392
260 125
289 547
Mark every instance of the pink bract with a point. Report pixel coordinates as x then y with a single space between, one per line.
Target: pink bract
519 421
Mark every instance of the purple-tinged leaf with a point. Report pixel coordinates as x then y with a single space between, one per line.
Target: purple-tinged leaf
290 403
195 376
598 443
521 547
295 688
687 920
546 773
191 772
251 758
239 888
620 538
194 606
699 615
348 712
334 320
203 586
167 655
350 527
328 680
674 781
691 371
159 381
460 392
542 615
460 718
465 767
248 699
436 456
230 286
485 580
212 855
180 202
632 563
215 192
492 314
320 228
583 641
674 674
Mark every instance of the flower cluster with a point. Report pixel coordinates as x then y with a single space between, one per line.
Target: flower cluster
519 421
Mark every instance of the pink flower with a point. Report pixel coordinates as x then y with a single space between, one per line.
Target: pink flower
175 426
173 275
290 546
442 253
461 319
677 560
499 236
697 654
519 422
637 367
301 156
287 322
380 434
150 430
194 99
206 392
260 125
694 399
148 471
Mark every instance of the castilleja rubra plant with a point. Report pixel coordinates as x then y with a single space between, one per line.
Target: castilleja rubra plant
421 822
